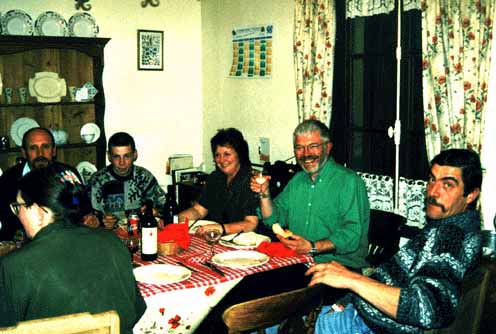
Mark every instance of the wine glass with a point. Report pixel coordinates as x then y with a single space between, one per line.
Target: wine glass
212 236
261 177
132 245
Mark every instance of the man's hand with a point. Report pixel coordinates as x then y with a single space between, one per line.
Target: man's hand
109 221
296 243
333 274
260 188
91 220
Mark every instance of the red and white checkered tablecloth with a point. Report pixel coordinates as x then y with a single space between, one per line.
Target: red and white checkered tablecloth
204 276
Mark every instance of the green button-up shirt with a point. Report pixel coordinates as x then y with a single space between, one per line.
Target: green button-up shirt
335 207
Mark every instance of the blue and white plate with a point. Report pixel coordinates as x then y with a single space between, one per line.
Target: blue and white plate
17 22
50 24
82 25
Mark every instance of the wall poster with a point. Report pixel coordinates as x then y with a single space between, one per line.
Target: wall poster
252 52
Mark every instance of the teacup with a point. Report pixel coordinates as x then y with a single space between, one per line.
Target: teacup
8 95
23 94
88 137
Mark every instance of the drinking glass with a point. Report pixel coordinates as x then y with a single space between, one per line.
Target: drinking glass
132 245
260 178
212 236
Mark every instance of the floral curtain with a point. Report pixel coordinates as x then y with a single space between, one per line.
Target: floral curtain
456 43
356 8
314 35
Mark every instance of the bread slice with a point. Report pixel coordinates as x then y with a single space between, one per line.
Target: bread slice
277 229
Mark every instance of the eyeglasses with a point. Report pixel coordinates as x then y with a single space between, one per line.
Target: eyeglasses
311 148
14 207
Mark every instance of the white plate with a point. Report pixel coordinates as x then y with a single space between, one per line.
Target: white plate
17 22
161 274
82 25
90 132
199 223
246 240
50 24
19 127
86 169
240 259
47 87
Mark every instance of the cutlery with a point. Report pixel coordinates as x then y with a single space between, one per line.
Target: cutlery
186 266
231 240
212 267
193 224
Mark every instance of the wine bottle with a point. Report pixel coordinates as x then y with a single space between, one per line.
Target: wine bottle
148 234
170 206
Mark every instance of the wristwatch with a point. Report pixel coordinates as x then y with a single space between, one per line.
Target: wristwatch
313 249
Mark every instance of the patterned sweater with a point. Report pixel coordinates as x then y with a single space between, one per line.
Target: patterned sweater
429 270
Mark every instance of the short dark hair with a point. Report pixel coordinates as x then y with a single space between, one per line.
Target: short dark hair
468 161
56 188
234 138
121 139
312 125
28 133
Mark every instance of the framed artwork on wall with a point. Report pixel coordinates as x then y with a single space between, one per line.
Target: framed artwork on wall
150 50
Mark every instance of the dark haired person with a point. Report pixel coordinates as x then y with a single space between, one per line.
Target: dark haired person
39 150
122 186
63 270
419 288
227 198
325 205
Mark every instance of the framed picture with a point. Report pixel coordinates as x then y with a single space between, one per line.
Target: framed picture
150 50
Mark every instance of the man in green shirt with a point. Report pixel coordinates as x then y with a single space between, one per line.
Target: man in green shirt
325 205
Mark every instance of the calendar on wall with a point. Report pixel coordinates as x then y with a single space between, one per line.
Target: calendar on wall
252 52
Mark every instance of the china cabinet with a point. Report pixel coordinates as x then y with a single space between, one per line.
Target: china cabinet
76 60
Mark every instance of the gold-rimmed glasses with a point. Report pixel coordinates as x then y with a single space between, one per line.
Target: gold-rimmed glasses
15 206
310 148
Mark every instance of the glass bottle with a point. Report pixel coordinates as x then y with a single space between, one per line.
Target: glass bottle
148 234
170 206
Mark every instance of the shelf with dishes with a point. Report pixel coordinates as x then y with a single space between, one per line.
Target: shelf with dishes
41 105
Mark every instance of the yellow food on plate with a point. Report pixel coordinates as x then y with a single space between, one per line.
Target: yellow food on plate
277 229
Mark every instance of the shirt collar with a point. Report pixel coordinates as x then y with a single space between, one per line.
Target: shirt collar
26 169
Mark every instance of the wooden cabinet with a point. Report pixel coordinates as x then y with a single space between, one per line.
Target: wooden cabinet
77 60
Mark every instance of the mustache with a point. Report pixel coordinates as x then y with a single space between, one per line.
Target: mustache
40 162
432 201
308 157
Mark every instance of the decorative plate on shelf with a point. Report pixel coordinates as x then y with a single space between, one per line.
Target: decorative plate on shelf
86 169
90 132
50 24
17 22
82 25
19 127
47 87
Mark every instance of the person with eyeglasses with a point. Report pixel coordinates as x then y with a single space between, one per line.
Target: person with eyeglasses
66 268
39 150
325 205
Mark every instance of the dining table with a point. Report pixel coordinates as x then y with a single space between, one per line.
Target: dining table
179 307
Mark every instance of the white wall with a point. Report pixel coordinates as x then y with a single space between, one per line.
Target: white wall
257 107
161 109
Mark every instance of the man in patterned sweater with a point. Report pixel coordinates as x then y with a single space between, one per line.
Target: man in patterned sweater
419 287
121 186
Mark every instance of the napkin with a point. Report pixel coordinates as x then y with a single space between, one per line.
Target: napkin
275 249
177 233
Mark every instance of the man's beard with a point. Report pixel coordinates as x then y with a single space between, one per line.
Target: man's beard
322 161
40 162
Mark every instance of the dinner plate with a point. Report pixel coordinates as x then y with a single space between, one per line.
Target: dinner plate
19 127
50 24
161 274
82 25
47 87
246 240
90 132
198 223
17 22
240 259
86 169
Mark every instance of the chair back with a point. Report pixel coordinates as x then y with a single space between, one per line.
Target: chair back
79 323
269 311
471 306
384 235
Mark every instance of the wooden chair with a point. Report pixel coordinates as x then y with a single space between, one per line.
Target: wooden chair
473 297
79 323
261 313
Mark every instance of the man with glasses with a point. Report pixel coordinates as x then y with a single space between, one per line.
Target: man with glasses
121 187
325 205
38 150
